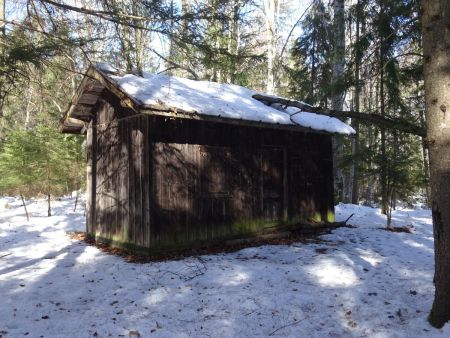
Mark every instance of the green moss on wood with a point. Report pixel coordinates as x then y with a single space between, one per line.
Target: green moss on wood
205 235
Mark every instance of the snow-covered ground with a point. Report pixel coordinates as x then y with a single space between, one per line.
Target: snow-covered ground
358 282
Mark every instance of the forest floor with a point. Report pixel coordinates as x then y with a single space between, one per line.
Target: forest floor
354 282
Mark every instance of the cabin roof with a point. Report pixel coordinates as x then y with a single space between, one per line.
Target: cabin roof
180 97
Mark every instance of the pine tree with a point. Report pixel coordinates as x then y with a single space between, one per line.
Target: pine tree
436 34
310 77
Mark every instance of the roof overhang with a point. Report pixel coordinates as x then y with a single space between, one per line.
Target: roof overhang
83 107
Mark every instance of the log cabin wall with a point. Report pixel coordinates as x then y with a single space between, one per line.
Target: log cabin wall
156 182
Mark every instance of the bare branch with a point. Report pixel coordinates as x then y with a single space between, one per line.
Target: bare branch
387 121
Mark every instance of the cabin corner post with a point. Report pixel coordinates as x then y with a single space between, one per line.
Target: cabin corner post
91 170
330 216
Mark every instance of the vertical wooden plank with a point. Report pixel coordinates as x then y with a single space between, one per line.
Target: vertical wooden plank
131 188
150 178
107 165
124 216
116 172
138 143
100 174
113 184
89 179
145 181
91 173
285 186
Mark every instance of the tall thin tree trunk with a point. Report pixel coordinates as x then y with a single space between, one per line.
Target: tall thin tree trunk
2 49
337 97
24 206
49 207
436 50
2 18
88 32
383 172
76 201
313 70
233 41
213 24
355 124
272 8
138 42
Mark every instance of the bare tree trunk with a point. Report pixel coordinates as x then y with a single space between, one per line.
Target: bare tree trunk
383 172
436 50
2 51
426 166
76 202
24 206
233 41
49 208
337 97
89 32
354 195
313 70
272 11
2 17
213 24
139 42
185 9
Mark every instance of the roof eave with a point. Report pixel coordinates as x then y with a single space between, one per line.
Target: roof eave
81 109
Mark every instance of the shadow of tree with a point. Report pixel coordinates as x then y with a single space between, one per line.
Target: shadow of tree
356 282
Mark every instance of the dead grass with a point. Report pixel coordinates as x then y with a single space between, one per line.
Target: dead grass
225 247
404 229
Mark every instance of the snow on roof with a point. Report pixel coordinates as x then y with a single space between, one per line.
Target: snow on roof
215 99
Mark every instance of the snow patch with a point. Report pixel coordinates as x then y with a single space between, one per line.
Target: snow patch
216 99
356 282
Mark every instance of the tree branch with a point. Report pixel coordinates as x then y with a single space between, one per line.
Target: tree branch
175 64
371 118
98 13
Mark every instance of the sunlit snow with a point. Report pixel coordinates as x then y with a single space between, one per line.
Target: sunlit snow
355 282
215 99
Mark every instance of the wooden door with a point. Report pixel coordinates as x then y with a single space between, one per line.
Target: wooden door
272 172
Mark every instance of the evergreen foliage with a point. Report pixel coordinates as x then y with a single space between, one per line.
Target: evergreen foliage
310 77
40 161
386 51
45 52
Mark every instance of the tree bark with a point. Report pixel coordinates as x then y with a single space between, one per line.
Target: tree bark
426 166
383 171
24 206
76 202
185 10
49 207
313 68
233 40
2 17
337 93
338 61
138 42
272 10
436 48
2 49
354 194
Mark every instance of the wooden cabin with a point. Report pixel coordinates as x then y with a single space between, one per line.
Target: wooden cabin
175 163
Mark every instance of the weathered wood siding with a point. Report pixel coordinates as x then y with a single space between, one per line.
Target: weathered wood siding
156 182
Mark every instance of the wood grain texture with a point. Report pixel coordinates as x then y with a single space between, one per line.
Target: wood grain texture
159 182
